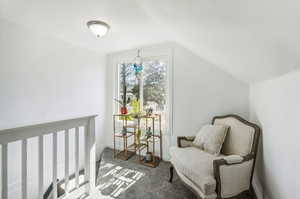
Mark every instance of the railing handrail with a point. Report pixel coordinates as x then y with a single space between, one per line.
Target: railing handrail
25 132
39 130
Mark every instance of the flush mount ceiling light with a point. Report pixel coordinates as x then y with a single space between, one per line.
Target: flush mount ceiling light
98 28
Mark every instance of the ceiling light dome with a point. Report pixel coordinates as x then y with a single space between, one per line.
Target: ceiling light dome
99 28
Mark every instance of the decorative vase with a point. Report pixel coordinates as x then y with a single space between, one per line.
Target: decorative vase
124 131
148 133
124 110
136 108
149 111
138 136
148 157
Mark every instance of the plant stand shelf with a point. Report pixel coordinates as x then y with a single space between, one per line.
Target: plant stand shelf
128 150
140 144
154 163
124 155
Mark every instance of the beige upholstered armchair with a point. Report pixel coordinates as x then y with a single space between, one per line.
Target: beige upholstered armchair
224 176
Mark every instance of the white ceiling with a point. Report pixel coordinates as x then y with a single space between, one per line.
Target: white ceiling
253 40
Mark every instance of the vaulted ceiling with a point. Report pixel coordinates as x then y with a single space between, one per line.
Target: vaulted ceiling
253 40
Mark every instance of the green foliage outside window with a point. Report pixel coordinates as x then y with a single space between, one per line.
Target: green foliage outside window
154 81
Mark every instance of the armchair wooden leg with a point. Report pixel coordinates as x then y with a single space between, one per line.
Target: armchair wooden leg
171 174
252 192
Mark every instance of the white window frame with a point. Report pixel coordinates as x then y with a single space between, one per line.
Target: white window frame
165 50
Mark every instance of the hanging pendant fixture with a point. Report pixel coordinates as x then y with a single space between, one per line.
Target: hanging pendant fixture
138 59
138 63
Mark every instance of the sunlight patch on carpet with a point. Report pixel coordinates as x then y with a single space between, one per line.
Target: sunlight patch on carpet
119 180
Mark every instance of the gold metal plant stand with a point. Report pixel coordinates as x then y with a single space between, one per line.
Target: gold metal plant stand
139 144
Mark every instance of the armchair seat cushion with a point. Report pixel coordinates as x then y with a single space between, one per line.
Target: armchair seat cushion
196 165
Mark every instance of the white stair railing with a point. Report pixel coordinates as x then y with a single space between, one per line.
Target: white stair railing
40 130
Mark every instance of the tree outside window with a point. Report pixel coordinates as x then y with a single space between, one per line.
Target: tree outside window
154 81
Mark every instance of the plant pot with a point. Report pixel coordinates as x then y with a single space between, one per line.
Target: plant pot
124 110
148 157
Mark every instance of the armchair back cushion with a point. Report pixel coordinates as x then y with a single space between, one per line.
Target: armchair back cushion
240 137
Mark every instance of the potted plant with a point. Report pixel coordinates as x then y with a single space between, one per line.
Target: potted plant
123 103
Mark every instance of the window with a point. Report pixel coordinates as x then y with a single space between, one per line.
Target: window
150 86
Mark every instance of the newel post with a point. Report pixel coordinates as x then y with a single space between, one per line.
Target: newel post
91 156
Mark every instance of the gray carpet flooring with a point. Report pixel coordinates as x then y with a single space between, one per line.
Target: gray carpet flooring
118 179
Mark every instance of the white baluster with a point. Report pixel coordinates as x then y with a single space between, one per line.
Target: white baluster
41 166
24 169
92 148
86 159
4 171
91 156
77 157
54 179
67 161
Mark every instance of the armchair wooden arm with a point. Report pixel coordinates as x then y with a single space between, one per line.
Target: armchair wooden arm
244 166
185 141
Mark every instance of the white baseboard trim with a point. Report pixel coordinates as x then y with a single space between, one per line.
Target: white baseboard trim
257 188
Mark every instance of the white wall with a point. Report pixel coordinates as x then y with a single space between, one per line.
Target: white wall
275 104
200 90
45 79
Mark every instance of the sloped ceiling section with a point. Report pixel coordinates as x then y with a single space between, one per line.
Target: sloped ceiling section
253 40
